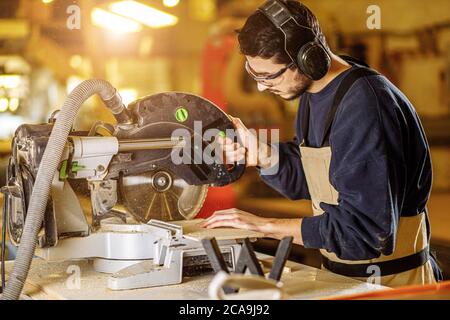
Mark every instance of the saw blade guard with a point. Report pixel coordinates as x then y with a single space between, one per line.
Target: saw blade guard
177 115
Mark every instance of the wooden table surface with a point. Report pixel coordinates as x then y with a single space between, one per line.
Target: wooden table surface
52 281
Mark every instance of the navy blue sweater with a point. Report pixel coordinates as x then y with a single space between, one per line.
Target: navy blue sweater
380 166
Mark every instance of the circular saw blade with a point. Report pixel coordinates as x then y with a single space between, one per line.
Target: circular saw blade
161 195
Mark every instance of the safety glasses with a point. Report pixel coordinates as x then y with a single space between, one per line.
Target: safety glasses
269 80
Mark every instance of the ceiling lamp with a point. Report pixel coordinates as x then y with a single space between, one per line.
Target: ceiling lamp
113 22
144 14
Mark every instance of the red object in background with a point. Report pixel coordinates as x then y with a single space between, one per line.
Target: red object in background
214 67
218 198
216 56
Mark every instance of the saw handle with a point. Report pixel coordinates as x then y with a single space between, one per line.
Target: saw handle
233 172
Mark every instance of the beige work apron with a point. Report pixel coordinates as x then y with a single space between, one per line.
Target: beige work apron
411 233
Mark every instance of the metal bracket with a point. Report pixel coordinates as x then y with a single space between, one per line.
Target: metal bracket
248 260
281 256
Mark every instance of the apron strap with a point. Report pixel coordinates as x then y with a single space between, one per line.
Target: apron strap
344 86
386 268
305 122
341 91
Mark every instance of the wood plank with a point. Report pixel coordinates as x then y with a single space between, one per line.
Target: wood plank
193 231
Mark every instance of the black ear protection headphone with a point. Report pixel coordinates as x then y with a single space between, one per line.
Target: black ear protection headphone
313 58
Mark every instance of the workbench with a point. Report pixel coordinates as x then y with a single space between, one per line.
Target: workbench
54 280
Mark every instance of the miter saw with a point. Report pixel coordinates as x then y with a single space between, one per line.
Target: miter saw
117 192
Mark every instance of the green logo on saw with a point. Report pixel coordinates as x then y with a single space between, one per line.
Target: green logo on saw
181 114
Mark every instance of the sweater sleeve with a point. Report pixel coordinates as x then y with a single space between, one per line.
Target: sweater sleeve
287 176
368 175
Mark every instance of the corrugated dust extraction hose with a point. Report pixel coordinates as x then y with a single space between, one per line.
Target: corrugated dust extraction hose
48 166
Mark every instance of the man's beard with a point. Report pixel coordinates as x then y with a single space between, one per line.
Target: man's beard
303 83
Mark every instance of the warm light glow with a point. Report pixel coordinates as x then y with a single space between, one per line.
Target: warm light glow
47 1
203 10
13 104
171 3
128 95
76 61
146 45
9 81
72 82
146 15
113 22
9 125
3 104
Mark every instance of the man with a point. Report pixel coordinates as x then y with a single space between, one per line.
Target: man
360 154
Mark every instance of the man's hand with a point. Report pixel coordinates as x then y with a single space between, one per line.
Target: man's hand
253 151
237 219
270 227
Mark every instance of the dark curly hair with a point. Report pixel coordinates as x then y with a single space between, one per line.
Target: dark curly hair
260 38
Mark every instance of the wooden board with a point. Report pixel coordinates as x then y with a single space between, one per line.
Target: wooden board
193 231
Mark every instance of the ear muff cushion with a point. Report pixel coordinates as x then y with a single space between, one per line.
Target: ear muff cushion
313 60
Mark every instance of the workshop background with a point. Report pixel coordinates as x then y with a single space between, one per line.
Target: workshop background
47 47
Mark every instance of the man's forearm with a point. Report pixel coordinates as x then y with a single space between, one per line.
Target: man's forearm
280 228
